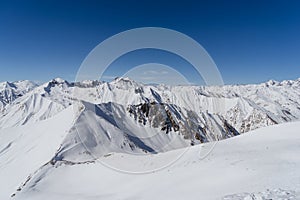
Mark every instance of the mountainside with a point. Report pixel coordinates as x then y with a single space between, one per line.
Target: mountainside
147 118
11 91
79 123
265 161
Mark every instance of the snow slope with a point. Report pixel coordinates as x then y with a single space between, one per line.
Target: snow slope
126 116
9 91
29 109
105 128
23 149
257 165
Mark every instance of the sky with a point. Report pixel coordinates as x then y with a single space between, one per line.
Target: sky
250 41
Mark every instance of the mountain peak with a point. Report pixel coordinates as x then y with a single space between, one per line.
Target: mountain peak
126 79
6 84
271 82
58 80
124 82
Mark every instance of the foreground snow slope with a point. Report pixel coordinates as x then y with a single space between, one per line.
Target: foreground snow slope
24 149
267 158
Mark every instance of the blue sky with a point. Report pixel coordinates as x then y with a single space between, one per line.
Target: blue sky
250 41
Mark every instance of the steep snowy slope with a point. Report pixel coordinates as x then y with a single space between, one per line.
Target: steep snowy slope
258 165
37 104
109 127
105 128
11 91
29 108
26 148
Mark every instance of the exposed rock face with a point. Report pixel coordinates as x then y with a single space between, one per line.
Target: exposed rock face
172 119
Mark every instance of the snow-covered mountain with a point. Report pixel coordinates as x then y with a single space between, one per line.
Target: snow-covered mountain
77 123
124 115
262 164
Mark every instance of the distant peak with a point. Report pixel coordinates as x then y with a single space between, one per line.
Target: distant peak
58 80
88 83
122 79
272 82
7 84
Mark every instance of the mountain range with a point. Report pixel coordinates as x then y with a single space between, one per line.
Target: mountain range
81 122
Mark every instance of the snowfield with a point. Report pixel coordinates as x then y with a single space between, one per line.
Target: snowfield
261 164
